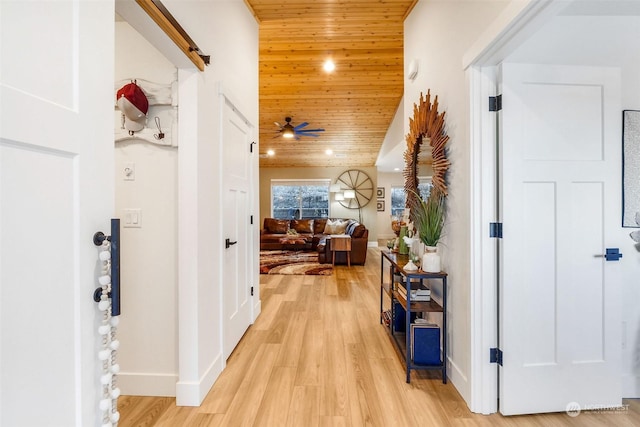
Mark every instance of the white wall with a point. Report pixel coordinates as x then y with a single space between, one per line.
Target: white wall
149 271
387 180
227 31
437 34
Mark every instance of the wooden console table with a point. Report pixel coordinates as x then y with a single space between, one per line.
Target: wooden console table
411 278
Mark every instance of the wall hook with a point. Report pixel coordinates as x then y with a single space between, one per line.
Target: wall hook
158 135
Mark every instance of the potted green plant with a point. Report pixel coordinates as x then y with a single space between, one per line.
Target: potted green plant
428 219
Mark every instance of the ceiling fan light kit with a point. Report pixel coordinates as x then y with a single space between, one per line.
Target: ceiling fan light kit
290 131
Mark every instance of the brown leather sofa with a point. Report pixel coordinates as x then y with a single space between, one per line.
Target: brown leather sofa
313 232
275 229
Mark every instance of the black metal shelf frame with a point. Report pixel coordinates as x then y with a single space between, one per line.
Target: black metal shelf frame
397 263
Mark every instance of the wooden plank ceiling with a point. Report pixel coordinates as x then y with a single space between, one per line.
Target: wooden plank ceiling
355 103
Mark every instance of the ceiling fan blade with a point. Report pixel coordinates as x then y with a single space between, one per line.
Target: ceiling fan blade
308 134
277 124
300 126
310 130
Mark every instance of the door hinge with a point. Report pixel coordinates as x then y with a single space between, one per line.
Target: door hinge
251 219
495 356
251 147
495 229
495 103
252 291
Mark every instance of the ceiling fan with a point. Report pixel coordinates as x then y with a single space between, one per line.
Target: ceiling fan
290 131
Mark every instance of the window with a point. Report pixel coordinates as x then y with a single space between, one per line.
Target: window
398 199
398 196
300 199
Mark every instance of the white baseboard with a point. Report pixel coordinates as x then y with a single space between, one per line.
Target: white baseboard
459 380
132 384
192 393
630 386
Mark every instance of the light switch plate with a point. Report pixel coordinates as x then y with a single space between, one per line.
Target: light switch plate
133 218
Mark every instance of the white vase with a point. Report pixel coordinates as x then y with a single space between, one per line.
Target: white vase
431 260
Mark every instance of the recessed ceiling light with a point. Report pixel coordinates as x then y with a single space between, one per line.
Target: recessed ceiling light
270 152
328 151
329 66
396 169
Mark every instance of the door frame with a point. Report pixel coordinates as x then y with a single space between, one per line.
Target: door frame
516 24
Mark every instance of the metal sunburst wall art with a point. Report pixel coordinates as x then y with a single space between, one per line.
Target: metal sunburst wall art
427 125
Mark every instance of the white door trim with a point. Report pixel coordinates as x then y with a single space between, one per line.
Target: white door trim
484 379
518 22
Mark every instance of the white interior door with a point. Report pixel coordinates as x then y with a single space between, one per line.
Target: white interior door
238 256
559 301
56 150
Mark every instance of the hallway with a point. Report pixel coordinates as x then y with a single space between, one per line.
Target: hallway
318 356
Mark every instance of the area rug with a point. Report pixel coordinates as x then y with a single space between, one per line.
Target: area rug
293 262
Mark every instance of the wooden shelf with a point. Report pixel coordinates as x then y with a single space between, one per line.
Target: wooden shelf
420 306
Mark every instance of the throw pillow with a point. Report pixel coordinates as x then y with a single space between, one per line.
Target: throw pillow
335 227
341 227
276 226
302 225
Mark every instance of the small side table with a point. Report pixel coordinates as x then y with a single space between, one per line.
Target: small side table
341 242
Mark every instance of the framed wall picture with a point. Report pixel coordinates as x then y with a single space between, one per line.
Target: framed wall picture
380 205
630 167
380 193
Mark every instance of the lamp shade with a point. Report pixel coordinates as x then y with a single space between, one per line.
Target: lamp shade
339 196
334 188
349 194
287 131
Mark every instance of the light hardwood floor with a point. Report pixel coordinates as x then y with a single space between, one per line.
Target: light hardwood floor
318 356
